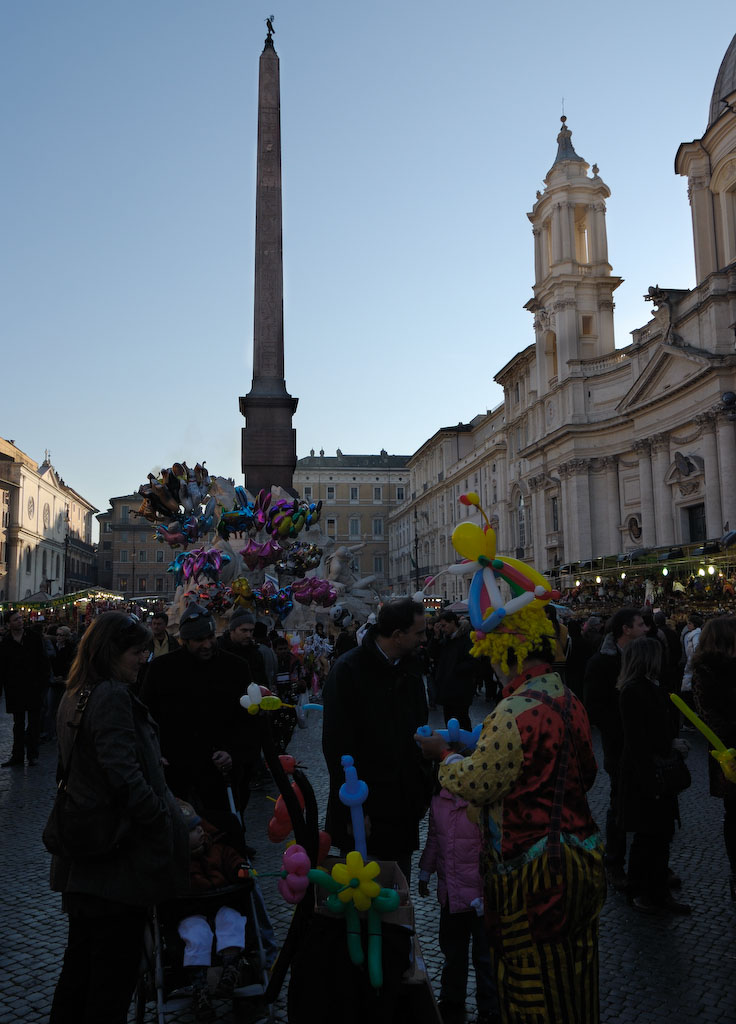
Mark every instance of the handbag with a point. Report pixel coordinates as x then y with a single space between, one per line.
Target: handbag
77 830
671 775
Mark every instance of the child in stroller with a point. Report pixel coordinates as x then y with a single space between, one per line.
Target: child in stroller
214 866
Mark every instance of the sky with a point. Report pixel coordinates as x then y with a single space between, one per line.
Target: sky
414 138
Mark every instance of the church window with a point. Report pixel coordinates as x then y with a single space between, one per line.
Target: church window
550 349
587 329
521 522
29 557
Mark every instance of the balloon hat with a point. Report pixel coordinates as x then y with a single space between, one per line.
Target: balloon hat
500 626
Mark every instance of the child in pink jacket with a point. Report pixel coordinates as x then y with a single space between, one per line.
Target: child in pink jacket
453 851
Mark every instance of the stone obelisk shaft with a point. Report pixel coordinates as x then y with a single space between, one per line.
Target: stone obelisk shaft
269 440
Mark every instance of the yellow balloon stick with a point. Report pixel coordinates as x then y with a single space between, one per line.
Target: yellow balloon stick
698 722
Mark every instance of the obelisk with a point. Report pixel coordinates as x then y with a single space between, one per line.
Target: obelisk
269 440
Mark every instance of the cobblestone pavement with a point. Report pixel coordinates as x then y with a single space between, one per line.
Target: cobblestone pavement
653 970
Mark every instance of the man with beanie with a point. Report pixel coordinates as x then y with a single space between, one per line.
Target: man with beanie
239 641
194 696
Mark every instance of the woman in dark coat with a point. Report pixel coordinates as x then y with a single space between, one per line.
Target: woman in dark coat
714 690
647 733
115 761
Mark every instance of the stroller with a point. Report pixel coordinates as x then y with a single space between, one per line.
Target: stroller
163 978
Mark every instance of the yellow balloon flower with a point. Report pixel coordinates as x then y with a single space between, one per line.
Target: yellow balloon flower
358 880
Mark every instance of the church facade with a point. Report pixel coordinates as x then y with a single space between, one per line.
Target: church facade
598 455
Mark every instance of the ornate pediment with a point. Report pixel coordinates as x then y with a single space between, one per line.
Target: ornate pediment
666 372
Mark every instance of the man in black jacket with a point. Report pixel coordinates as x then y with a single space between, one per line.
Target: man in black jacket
24 675
602 705
194 696
239 640
456 672
374 702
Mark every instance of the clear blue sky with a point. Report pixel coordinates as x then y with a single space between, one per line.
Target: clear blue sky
415 136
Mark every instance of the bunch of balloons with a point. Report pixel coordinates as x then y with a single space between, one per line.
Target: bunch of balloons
316 589
299 559
282 518
213 595
258 556
191 565
174 490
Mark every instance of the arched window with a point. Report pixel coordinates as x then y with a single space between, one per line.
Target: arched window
521 522
29 560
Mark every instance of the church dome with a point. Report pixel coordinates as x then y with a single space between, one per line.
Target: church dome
725 84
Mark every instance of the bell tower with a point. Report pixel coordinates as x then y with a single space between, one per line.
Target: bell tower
573 284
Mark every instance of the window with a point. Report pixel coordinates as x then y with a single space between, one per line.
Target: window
159 583
354 494
354 528
106 545
378 565
378 527
521 522
307 493
107 528
332 528
124 513
399 493
159 554
377 495
142 555
587 326
124 537
29 561
555 514
330 493
517 392
108 564
44 562
142 583
124 555
122 583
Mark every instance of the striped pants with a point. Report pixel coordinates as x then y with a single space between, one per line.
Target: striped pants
544 937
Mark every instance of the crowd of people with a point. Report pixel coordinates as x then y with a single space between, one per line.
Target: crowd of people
521 866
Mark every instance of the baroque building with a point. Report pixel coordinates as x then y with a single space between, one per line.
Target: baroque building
46 532
599 453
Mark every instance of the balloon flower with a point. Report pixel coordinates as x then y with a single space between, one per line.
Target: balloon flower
352 887
259 698
294 880
726 758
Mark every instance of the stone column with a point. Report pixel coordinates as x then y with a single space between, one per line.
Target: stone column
538 262
613 502
714 518
578 541
537 524
663 522
727 463
643 450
